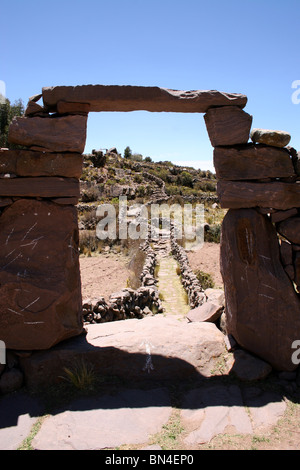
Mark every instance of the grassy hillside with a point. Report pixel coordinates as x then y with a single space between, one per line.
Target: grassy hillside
107 175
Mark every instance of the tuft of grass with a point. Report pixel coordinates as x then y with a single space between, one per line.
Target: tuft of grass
169 437
82 375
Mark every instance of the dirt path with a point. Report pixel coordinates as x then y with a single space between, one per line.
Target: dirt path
173 295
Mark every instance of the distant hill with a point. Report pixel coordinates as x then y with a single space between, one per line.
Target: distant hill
108 175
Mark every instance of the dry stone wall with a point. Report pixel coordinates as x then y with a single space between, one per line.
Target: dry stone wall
128 303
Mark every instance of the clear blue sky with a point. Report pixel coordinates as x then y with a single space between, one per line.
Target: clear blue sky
249 47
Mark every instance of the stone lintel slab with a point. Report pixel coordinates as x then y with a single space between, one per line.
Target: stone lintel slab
44 187
132 98
244 194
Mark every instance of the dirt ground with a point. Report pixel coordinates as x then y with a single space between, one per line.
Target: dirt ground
103 274
207 259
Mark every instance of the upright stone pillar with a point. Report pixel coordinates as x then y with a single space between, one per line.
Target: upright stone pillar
40 287
259 183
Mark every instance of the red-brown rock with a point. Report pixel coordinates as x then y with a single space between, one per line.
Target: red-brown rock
208 311
270 137
29 163
262 307
244 194
40 291
286 253
250 162
52 134
290 229
63 107
297 269
132 98
40 187
279 216
228 125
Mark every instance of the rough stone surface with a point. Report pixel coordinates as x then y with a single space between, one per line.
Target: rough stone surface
209 410
249 368
228 125
286 252
244 194
216 296
262 307
208 311
46 187
270 137
279 216
248 162
212 410
18 413
28 163
11 380
106 422
53 134
40 288
290 229
131 98
153 348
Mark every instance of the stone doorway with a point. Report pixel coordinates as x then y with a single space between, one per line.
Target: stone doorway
40 278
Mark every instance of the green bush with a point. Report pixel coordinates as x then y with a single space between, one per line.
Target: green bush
185 179
213 234
205 279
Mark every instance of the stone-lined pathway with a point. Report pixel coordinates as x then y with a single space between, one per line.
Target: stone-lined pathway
173 296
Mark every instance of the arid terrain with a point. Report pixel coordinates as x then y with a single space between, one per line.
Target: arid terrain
103 274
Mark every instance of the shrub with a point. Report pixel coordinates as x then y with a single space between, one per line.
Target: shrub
138 178
185 179
205 279
91 194
213 234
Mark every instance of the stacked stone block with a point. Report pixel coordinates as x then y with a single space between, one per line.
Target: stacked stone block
259 183
40 288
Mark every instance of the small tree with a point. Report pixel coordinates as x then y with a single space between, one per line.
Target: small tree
7 113
127 152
